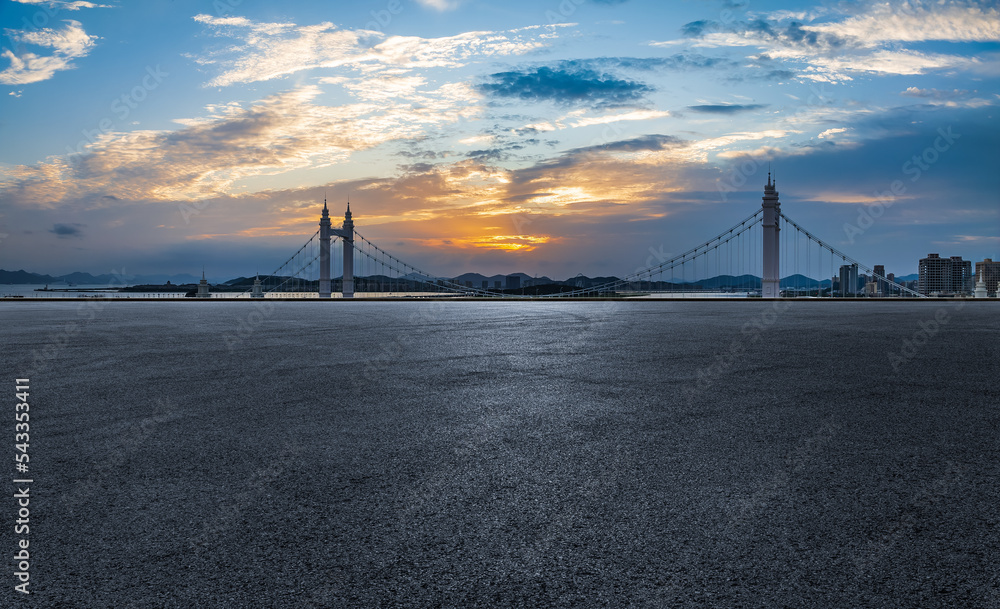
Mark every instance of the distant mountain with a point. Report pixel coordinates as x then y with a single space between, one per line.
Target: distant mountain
161 279
25 278
801 281
477 279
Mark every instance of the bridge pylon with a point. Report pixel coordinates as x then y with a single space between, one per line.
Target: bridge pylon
771 281
346 233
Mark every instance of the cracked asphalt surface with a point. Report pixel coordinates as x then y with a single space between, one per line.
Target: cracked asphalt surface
429 454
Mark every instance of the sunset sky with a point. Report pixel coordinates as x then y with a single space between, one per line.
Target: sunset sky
549 137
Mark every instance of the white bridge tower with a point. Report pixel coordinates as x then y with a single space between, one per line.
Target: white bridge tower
771 284
346 233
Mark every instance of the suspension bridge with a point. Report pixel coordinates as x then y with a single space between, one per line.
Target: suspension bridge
747 259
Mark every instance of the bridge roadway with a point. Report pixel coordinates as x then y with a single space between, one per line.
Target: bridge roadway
622 454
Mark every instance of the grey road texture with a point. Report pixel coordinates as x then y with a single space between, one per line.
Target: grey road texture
434 454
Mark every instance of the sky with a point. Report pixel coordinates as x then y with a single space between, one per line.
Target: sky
550 137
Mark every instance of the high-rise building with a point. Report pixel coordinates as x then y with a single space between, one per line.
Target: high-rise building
848 280
961 275
944 275
934 275
880 285
991 274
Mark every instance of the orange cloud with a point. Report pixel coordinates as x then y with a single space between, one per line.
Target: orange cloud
510 243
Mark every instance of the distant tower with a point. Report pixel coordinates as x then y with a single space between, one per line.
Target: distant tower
324 252
203 287
258 291
771 285
981 285
346 233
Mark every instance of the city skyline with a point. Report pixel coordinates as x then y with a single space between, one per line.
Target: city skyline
491 137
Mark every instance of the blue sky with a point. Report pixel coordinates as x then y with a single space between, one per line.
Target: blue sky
553 138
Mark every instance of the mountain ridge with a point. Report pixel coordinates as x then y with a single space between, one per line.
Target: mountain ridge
23 277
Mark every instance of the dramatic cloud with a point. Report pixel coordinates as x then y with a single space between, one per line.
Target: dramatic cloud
918 21
636 115
209 155
273 50
883 22
68 43
571 80
565 86
484 149
865 42
68 5
936 94
645 142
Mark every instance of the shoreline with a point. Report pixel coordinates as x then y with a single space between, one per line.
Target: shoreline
498 299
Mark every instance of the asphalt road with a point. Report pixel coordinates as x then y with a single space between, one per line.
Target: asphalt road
622 454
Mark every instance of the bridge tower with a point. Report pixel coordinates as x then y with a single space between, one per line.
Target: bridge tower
346 233
324 252
771 284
